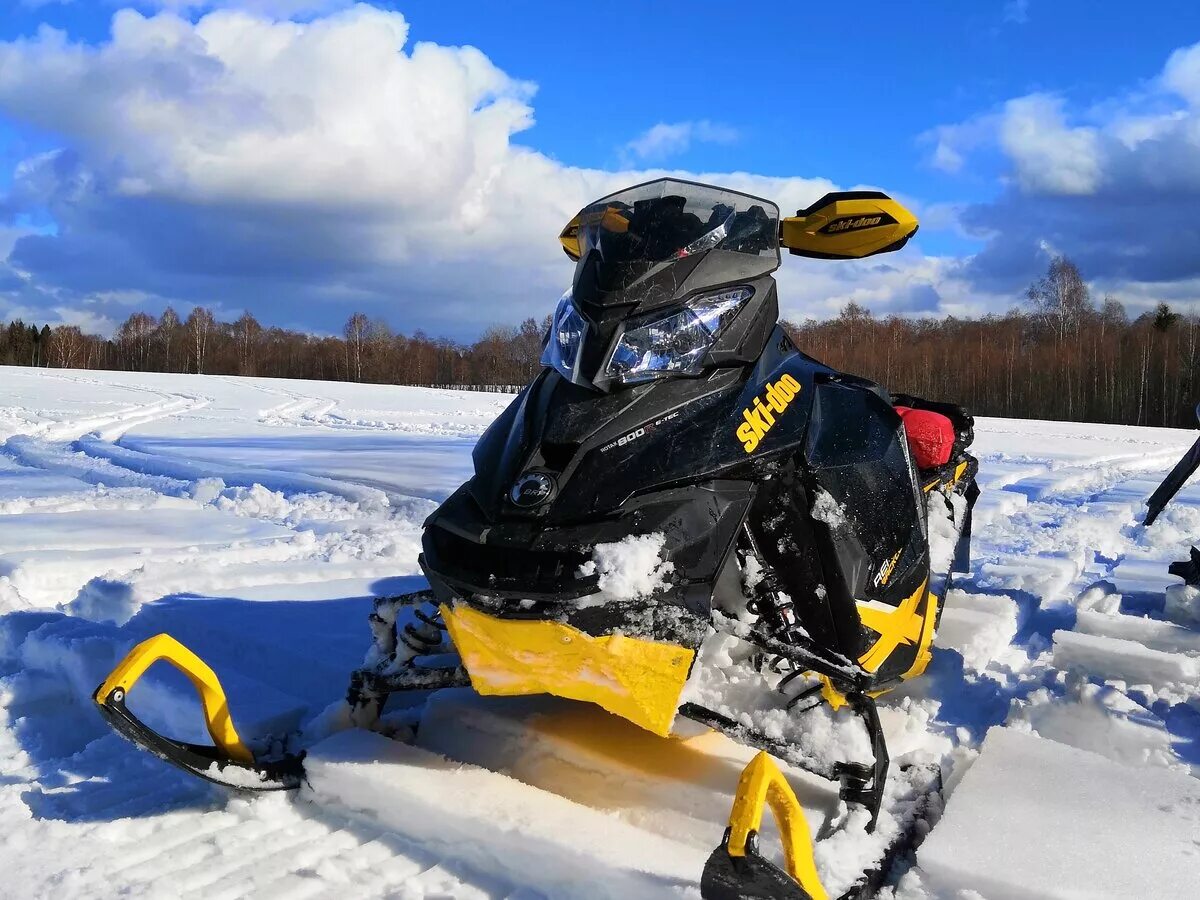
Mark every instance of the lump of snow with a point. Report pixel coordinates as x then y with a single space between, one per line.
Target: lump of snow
1035 818
1099 598
1047 576
631 567
206 490
1099 718
979 626
105 600
1183 604
722 680
828 510
1113 658
1156 634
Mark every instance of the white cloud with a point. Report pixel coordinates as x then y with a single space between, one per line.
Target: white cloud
283 166
1144 138
1112 185
665 140
952 144
1181 74
8 237
1047 155
1016 12
912 286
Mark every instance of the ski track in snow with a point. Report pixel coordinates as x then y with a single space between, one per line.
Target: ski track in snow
255 519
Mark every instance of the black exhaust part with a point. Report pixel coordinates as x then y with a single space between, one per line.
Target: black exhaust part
1175 480
202 761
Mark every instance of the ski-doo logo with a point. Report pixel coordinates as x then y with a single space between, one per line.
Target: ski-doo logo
839 225
760 416
532 489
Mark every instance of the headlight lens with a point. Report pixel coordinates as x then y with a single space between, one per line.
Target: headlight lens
675 343
565 341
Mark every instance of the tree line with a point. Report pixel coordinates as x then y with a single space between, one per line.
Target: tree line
367 351
1058 356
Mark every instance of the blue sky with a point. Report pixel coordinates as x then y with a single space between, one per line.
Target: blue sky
1016 129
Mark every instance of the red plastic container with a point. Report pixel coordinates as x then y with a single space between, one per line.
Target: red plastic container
930 436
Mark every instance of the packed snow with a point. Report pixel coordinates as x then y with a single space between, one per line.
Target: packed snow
630 568
257 519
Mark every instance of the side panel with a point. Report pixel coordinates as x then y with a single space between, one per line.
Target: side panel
868 518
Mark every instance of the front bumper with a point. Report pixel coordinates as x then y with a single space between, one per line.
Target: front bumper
523 570
636 679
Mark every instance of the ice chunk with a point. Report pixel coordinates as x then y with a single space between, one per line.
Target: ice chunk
1183 604
1151 632
1099 598
979 626
1035 818
1099 718
1046 577
1113 658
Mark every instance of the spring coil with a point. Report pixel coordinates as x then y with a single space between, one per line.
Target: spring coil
423 640
776 611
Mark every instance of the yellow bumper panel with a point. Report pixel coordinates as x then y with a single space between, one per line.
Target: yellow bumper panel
636 679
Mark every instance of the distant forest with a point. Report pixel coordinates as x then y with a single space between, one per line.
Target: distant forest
1058 356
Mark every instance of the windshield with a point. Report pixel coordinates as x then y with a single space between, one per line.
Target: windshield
668 219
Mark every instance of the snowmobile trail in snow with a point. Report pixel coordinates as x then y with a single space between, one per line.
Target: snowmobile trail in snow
273 583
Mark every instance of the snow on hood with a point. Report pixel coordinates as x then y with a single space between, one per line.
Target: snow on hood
630 568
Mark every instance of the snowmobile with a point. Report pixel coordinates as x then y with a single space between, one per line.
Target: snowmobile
1188 569
805 513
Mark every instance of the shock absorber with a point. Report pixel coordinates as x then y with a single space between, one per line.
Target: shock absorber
775 609
771 604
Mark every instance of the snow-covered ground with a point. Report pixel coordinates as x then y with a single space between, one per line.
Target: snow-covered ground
255 519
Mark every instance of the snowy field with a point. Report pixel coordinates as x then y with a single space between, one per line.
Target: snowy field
255 519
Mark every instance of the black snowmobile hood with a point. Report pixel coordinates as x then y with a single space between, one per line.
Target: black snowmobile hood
562 453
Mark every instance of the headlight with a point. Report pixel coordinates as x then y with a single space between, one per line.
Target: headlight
676 342
565 340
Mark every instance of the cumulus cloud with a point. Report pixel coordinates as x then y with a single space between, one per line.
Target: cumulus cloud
1113 185
952 144
300 170
1048 156
1016 12
664 140
1181 74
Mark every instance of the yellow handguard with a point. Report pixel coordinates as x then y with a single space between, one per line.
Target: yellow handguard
204 679
761 784
848 225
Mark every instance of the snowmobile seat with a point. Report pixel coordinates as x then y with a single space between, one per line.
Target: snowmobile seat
930 436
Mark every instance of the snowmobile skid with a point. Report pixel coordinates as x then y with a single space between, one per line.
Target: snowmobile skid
683 517
228 761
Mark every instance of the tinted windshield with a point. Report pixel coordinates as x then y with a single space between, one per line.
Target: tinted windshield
668 219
